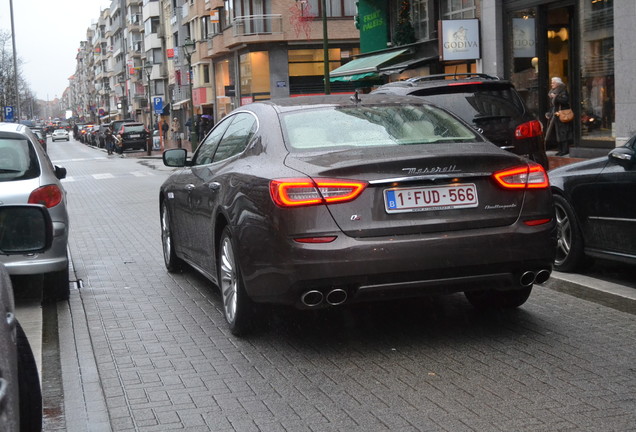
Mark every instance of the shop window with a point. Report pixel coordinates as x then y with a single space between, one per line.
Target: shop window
597 71
255 79
524 67
224 86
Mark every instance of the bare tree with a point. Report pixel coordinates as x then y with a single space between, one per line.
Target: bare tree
7 79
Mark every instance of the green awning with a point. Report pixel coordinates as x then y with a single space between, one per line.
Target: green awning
363 67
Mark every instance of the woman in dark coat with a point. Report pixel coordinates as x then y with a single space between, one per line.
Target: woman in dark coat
560 99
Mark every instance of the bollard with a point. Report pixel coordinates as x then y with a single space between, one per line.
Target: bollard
149 144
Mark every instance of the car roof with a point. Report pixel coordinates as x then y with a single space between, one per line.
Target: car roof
443 80
13 127
294 103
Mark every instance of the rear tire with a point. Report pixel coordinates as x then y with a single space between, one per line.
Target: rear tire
30 393
493 299
237 307
569 254
56 286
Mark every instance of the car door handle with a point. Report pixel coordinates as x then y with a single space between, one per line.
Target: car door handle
11 321
189 187
215 186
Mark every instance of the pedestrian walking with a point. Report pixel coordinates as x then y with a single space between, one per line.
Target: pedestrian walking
176 130
109 140
559 100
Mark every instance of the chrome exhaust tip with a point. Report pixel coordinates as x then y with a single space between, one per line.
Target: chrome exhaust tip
312 298
542 276
336 297
527 278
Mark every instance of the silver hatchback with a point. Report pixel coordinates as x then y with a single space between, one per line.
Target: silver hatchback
28 176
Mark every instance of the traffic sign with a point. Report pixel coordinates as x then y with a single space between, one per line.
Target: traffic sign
157 103
8 114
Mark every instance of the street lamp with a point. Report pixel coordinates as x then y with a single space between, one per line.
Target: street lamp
148 68
188 48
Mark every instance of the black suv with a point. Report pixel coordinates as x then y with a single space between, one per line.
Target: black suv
134 136
490 104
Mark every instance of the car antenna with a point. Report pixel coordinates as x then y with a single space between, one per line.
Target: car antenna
356 97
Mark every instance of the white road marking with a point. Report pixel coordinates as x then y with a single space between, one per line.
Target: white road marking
102 176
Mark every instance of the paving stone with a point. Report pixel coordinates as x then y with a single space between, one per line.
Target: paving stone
163 359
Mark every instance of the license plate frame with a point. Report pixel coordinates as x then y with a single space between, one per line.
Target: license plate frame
430 198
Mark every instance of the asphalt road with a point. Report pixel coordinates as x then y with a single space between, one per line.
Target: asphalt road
141 349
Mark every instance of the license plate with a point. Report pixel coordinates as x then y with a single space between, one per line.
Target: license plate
135 135
448 197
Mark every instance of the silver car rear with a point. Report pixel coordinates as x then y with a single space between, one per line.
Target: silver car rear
28 176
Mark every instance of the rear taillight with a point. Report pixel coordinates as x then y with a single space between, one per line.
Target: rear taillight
307 192
529 129
49 196
532 176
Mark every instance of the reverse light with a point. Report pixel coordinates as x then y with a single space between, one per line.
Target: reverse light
307 192
49 196
532 176
529 129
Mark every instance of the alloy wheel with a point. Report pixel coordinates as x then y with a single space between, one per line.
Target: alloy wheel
564 235
228 279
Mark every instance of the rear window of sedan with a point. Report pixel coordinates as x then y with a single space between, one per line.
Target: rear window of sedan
18 160
371 126
134 128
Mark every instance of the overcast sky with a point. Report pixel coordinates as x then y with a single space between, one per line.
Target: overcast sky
48 34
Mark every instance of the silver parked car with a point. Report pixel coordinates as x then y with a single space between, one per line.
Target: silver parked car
23 229
27 176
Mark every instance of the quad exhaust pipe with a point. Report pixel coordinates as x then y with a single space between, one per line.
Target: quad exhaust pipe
314 298
531 277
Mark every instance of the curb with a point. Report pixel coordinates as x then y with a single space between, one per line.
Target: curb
608 294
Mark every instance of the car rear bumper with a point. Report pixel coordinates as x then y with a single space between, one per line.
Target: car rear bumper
409 266
134 144
54 259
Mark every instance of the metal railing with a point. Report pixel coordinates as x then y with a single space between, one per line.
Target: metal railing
249 25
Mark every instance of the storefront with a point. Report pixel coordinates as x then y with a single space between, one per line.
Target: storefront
573 40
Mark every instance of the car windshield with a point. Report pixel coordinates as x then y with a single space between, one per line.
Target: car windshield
17 160
368 126
475 103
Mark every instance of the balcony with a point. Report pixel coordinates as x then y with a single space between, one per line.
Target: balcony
250 25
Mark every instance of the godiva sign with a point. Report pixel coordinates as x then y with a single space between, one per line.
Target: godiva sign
459 40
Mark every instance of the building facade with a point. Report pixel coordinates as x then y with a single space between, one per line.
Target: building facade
207 57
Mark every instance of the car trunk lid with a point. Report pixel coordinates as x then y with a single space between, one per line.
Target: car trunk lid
411 191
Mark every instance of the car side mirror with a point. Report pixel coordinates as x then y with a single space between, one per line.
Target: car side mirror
60 172
623 156
175 157
25 229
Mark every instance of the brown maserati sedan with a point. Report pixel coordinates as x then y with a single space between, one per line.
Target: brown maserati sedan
329 200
